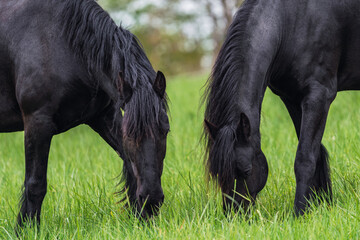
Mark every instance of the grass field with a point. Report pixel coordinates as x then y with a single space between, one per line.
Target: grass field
80 203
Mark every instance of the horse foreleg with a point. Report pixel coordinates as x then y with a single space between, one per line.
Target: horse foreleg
321 183
311 167
39 130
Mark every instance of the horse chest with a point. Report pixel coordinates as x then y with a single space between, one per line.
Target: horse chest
78 109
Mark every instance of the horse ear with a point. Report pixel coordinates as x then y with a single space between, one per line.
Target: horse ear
244 129
125 88
211 128
160 84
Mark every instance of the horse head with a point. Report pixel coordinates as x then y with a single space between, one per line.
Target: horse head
144 132
236 161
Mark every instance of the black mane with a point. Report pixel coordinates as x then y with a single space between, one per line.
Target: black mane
91 34
221 96
105 47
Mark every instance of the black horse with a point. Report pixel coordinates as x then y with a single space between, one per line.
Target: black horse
304 51
65 63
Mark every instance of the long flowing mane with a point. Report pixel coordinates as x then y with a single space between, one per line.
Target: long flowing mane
220 97
105 47
111 49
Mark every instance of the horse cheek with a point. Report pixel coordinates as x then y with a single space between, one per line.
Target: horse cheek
262 166
256 182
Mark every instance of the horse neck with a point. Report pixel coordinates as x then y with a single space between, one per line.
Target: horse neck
252 45
264 39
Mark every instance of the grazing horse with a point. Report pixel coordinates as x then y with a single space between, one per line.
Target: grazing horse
65 63
305 52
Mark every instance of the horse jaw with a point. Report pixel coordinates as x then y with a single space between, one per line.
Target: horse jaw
257 180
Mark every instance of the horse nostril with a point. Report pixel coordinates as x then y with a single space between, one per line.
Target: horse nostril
142 198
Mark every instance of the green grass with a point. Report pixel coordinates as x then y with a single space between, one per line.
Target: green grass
81 204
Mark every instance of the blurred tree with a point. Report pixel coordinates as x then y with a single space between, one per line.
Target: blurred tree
220 13
177 34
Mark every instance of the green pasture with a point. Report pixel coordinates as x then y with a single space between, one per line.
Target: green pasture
83 173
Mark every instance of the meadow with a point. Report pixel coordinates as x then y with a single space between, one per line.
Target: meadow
83 174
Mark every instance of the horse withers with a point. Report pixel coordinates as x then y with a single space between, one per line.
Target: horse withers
305 52
65 63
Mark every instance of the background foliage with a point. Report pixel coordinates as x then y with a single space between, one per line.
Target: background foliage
178 35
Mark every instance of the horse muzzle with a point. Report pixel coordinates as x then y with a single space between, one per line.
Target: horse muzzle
149 204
